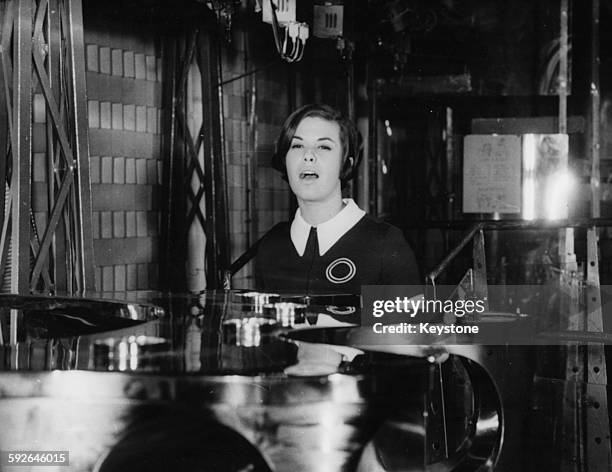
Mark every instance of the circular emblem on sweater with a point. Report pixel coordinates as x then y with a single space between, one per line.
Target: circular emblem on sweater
341 270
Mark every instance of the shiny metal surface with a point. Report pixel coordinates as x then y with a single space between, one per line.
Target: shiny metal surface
40 317
287 314
75 305
306 405
502 378
248 332
128 353
479 434
255 301
315 423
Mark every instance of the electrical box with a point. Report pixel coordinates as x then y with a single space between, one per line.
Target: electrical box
285 11
328 19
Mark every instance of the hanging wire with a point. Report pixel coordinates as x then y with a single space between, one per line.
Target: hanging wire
297 39
552 56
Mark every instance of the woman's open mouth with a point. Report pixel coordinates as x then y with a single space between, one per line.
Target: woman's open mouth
308 175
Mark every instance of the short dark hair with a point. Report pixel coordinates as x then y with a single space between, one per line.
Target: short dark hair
349 138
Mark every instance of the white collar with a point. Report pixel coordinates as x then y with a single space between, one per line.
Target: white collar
328 233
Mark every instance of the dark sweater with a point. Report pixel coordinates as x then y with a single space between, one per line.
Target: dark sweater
370 253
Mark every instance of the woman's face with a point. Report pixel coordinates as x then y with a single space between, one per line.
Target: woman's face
314 160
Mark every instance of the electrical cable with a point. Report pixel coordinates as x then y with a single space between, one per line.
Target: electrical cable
294 46
297 43
302 47
275 29
285 41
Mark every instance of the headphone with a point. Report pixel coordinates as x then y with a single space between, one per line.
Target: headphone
353 156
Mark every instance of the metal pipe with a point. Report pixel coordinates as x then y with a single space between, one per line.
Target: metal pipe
252 221
76 48
6 134
22 154
448 134
563 77
451 255
373 151
515 224
223 230
595 120
249 73
54 64
597 424
169 81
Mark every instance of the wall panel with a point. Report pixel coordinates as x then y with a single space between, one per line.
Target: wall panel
124 101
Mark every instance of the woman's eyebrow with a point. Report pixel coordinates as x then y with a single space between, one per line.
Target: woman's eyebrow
324 138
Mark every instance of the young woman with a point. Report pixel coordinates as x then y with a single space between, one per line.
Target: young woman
331 246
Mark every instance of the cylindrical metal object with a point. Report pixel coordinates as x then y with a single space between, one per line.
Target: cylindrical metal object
255 301
248 332
287 314
128 353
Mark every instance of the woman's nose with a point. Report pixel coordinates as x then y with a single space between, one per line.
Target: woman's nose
309 155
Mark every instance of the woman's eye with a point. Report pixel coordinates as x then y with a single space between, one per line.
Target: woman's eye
325 147
296 146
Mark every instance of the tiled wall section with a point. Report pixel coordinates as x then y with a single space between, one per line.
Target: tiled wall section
124 98
249 148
